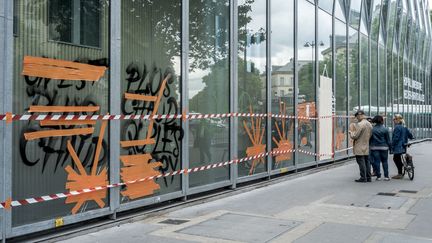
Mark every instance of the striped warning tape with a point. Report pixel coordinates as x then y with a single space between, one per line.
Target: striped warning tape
11 117
15 203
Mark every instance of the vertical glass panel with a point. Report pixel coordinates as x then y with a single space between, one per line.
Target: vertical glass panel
389 93
364 69
364 18
325 83
252 85
326 5
306 79
150 52
208 88
382 81
340 122
282 69
375 25
42 154
355 13
339 10
374 78
353 56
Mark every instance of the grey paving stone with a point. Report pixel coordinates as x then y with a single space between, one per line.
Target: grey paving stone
385 202
241 228
335 233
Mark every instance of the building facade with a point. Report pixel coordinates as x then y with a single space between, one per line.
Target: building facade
303 67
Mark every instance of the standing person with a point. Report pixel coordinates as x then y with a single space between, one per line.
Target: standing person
379 147
401 134
360 133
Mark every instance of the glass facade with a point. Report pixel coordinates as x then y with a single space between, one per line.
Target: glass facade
201 94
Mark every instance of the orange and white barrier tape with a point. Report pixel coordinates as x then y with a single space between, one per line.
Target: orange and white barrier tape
8 117
16 203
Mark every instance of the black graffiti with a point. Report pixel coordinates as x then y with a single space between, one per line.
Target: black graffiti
54 149
167 132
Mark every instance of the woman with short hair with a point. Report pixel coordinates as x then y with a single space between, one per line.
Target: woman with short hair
401 134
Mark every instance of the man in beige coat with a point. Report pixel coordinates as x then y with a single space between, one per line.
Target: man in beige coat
361 132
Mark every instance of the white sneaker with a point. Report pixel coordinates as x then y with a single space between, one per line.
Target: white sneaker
378 178
386 179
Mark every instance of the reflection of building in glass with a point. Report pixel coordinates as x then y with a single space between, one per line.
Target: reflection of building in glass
367 54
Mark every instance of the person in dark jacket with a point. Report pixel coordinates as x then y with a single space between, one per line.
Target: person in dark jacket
401 134
379 146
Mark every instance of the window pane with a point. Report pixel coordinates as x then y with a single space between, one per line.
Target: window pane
252 84
355 13
340 89
364 68
326 5
60 20
374 78
282 58
42 164
209 88
325 83
306 79
90 22
151 51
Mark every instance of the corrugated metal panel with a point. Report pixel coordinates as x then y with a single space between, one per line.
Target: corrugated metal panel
33 178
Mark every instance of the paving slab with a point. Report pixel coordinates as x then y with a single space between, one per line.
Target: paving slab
244 228
337 233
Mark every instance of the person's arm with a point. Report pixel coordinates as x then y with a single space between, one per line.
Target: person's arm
355 134
387 137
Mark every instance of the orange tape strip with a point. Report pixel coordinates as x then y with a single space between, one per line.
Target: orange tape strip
61 70
57 133
8 203
40 108
130 96
46 123
8 117
99 147
125 144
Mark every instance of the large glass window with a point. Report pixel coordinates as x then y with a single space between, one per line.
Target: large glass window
374 78
55 78
353 76
306 80
340 122
209 88
282 58
325 84
364 69
150 84
382 81
252 85
326 5
355 13
75 21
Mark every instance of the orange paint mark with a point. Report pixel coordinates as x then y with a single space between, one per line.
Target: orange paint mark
47 123
157 100
82 180
137 167
283 144
184 113
139 97
8 203
256 134
8 117
340 137
37 108
58 133
126 144
61 70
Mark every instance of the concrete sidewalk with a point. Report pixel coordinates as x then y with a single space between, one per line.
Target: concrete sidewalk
324 207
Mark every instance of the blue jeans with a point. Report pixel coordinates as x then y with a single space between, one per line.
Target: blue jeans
378 157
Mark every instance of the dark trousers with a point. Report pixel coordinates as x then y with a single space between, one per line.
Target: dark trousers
380 157
397 158
364 166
